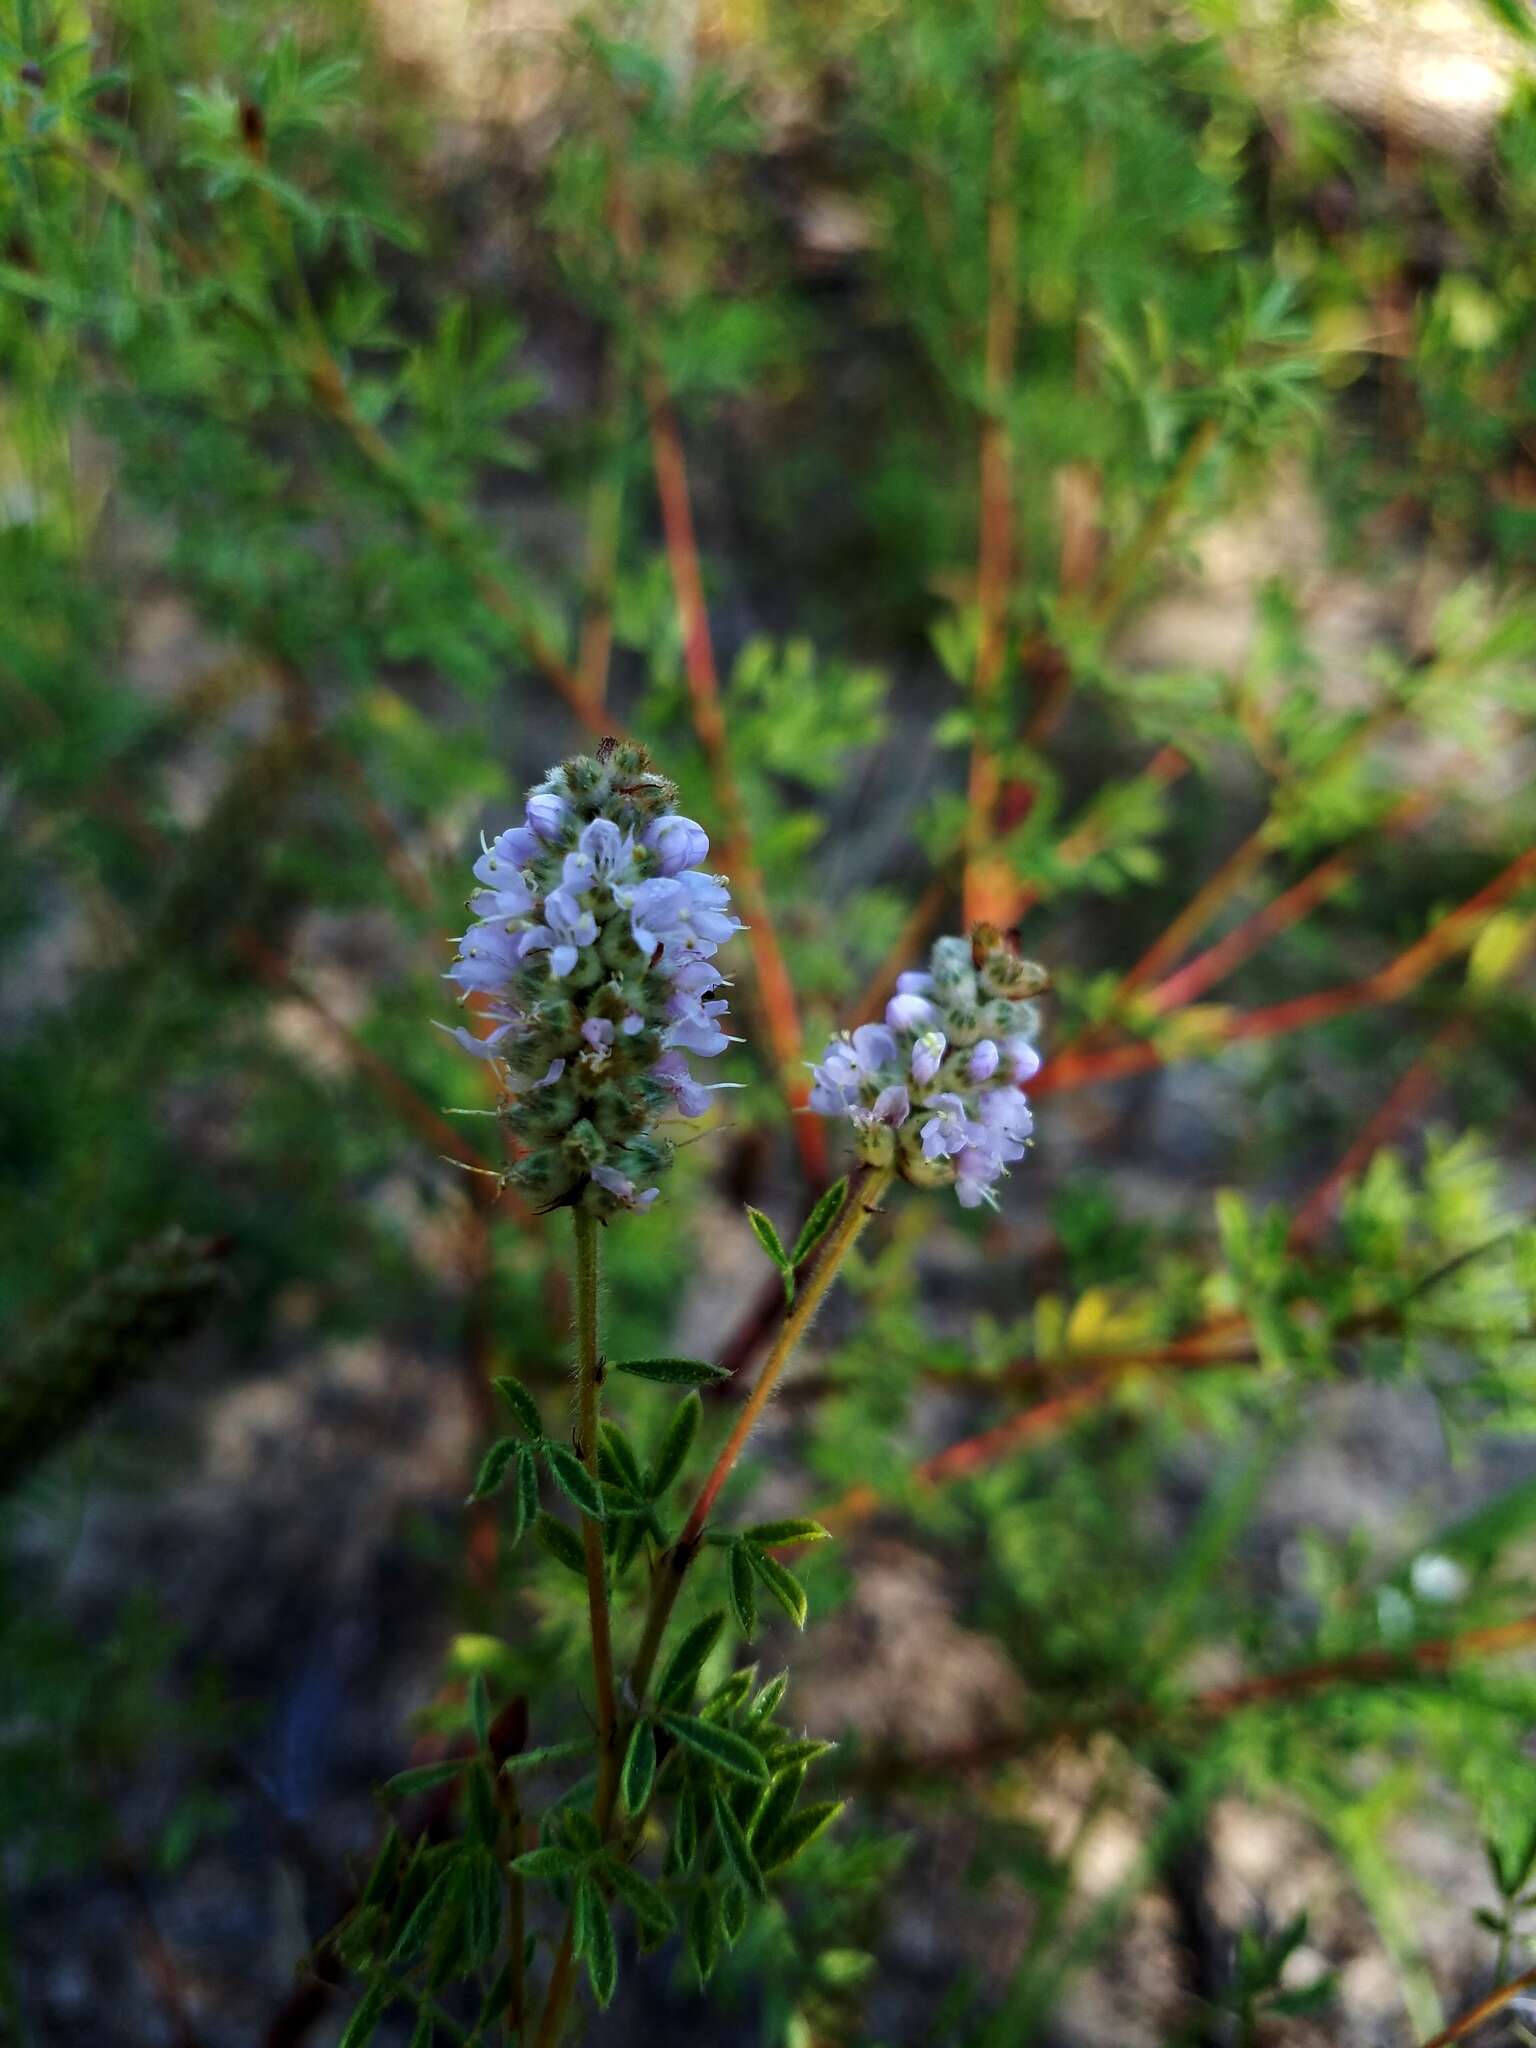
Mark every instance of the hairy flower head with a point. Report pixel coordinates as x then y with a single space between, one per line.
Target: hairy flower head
591 956
937 1090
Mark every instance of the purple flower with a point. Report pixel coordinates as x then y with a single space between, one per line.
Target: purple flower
601 866
959 1021
677 843
893 1106
910 1013
1023 1060
622 1188
928 1057
874 1047
547 814
949 1130
983 1062
498 865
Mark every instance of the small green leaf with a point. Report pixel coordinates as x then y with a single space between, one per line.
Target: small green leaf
675 1445
733 1913
483 1896
413 1936
422 1777
553 1753
385 1871
617 1459
743 1591
782 1584
525 1409
362 2026
640 1895
723 1747
493 1467
527 1487
562 1544
738 1850
574 1480
547 1864
639 1773
731 1692
794 1529
681 1672
819 1222
798 1833
778 1804
674 1372
768 1238
704 1932
594 1941
479 1708
805 1751
767 1703
683 1842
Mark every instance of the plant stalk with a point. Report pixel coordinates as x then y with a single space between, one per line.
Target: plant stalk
863 1200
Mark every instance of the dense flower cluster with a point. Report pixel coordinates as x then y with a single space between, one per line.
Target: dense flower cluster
937 1090
591 952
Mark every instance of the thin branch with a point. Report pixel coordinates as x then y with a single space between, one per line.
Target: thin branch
861 1202
775 990
1080 1068
1485 2009
989 883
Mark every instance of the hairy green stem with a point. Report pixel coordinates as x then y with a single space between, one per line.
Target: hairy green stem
588 1380
562 1980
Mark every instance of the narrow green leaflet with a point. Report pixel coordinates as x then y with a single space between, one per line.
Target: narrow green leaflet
574 1480
413 1936
675 1445
527 1488
562 1544
493 1467
768 1238
782 1584
819 1222
681 1670
674 1372
733 1913
616 1457
738 1850
594 1941
482 1892
798 1833
794 1529
723 1747
650 1909
479 1708
770 1698
553 1753
639 1772
546 1864
523 1407
778 1805
704 1932
422 1777
743 1591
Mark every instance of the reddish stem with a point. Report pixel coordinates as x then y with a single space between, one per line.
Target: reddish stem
775 989
1080 1068
989 885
